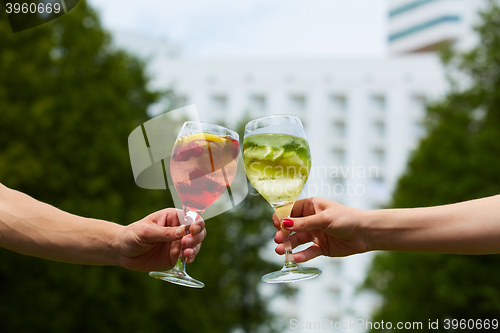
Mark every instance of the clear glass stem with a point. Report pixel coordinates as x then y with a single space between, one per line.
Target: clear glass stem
180 265
189 218
289 261
284 211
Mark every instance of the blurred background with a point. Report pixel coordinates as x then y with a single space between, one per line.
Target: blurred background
399 99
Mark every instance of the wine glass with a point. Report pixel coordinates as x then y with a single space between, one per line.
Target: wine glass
277 163
202 166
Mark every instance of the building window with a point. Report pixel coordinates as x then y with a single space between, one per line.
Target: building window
339 129
338 103
408 7
423 26
379 128
379 156
219 102
335 295
339 156
379 180
336 267
257 102
298 102
378 103
338 180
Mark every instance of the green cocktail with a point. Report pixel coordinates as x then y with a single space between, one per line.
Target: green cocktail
277 166
277 163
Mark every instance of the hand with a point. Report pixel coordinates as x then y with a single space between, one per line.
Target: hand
154 243
334 229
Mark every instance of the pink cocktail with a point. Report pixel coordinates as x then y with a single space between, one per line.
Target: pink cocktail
202 166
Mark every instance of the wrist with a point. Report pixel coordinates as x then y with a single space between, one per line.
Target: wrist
115 252
358 229
372 229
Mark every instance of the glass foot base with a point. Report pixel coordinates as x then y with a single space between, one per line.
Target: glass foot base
177 277
291 274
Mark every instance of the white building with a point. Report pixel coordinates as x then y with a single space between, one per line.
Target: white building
424 25
362 118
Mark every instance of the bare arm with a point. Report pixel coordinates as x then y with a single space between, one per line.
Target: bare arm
30 227
470 227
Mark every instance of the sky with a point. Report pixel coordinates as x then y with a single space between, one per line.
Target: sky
256 28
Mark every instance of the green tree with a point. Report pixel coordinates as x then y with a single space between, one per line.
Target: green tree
68 101
457 161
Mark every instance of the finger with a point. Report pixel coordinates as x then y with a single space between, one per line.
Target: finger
311 252
153 233
197 227
302 207
313 222
280 249
309 206
165 217
279 237
276 221
295 239
191 253
192 240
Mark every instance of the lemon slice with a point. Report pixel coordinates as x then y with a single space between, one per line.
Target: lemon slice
205 137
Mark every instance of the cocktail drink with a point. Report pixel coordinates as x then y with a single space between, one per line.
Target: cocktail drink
277 163
202 166
277 166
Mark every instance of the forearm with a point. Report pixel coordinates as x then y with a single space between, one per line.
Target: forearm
30 227
471 227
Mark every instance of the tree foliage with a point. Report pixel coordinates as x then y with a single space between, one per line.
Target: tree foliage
68 101
457 161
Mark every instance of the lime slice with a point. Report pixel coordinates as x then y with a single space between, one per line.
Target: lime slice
264 153
293 160
275 154
257 152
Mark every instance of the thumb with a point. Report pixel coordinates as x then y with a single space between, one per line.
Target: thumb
311 222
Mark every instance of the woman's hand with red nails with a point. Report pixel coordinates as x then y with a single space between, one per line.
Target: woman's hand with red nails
335 230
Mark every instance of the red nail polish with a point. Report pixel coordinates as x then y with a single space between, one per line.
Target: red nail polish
287 223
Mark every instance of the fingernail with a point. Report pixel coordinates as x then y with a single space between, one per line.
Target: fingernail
287 223
179 231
